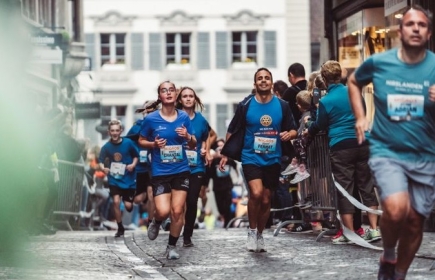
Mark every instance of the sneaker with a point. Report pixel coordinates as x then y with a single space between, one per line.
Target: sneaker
153 230
327 225
386 270
171 253
120 232
291 168
339 238
371 235
260 243
302 228
300 176
360 232
251 244
166 225
187 242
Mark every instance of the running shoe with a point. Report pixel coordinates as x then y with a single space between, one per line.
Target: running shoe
119 232
261 247
251 244
300 176
171 253
371 235
290 169
386 270
187 242
153 230
339 238
302 228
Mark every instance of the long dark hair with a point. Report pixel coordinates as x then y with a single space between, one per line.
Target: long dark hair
198 102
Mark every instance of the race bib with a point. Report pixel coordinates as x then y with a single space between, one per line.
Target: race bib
263 145
192 157
172 153
403 107
117 170
143 156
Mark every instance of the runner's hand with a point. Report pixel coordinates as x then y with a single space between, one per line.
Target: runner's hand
361 126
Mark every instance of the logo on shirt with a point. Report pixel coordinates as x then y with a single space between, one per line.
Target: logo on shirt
117 157
266 120
160 128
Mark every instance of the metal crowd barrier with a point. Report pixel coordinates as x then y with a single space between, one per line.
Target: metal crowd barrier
318 192
69 198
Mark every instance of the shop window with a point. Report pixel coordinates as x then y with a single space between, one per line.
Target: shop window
178 48
112 48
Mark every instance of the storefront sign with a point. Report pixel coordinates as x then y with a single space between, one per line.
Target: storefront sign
349 57
91 110
43 39
46 56
392 6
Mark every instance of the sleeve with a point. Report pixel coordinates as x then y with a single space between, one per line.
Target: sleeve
235 121
321 122
206 131
364 73
102 156
145 129
134 150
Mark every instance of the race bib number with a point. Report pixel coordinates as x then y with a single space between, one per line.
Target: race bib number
117 170
143 156
263 145
172 153
192 157
402 107
224 173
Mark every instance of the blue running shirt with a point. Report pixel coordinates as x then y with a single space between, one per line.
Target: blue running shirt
172 159
116 157
262 141
201 128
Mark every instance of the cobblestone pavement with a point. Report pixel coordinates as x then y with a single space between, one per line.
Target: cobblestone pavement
217 254
221 254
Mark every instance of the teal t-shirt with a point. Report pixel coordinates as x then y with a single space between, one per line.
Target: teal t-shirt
404 121
262 140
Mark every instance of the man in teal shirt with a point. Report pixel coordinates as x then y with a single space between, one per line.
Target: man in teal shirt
402 149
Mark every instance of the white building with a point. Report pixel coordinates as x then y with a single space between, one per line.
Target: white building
213 46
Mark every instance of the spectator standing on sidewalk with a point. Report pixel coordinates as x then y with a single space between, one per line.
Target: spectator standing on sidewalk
348 157
198 157
118 159
296 77
402 148
264 121
166 132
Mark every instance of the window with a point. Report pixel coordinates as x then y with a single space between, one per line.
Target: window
113 48
177 48
244 46
38 11
221 119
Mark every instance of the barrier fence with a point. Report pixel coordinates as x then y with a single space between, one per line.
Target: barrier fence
67 207
318 192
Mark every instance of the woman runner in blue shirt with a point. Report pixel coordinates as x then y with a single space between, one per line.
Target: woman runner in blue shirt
166 132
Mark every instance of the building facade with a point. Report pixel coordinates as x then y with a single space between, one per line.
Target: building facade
214 47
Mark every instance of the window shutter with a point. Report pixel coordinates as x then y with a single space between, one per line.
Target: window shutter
90 49
270 49
222 50
203 58
137 51
155 51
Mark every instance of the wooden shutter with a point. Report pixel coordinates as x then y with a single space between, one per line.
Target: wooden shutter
90 49
203 59
222 53
270 49
155 51
137 51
